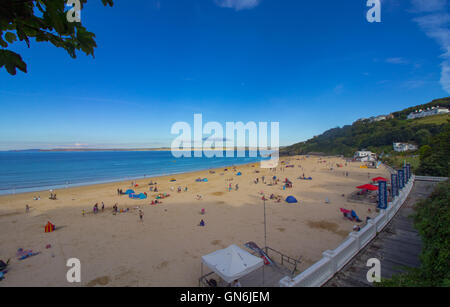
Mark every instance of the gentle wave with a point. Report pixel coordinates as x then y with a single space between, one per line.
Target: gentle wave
37 171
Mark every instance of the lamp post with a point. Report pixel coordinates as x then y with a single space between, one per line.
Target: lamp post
265 236
265 228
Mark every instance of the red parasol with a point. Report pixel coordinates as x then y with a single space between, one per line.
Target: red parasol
369 187
379 179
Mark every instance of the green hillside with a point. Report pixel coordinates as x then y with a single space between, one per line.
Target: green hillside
431 134
376 136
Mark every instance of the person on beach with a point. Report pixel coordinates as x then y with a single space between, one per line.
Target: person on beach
83 213
237 187
103 207
141 215
27 208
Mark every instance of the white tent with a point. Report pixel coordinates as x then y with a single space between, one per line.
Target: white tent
232 263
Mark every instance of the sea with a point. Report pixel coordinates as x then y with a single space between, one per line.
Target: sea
30 171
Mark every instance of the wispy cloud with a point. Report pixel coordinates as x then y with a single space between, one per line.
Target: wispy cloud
435 24
238 4
397 61
427 6
338 89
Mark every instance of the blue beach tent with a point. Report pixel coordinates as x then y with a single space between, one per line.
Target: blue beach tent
291 200
129 191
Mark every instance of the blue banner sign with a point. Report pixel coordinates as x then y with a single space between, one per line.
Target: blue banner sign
401 179
382 195
394 185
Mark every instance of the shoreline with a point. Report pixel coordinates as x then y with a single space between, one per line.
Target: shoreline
109 181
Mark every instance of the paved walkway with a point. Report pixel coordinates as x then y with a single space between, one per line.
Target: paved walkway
397 246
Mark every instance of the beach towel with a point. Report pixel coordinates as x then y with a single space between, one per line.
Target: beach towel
24 254
355 216
3 265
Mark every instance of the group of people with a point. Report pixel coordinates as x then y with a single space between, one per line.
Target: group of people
230 187
263 180
96 208
180 189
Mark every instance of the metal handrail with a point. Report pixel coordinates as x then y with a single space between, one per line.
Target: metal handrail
285 258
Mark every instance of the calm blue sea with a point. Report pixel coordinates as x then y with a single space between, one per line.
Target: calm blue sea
36 171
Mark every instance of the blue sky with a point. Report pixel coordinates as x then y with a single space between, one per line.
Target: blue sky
310 65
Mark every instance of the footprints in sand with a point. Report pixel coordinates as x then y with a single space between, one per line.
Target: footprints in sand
216 242
163 265
329 226
99 281
284 219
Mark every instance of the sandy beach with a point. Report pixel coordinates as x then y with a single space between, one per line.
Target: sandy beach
165 249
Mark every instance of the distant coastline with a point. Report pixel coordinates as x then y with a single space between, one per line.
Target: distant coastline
124 149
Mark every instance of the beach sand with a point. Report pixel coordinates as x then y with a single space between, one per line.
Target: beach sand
165 249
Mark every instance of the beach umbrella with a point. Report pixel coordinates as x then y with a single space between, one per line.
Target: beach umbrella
379 179
369 187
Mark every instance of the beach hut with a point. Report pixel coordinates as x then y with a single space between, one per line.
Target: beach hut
232 263
49 227
291 200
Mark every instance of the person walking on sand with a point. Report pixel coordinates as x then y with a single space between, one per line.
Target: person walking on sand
83 212
141 215
103 207
27 208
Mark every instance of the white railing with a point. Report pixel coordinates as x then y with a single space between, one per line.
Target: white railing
432 179
334 260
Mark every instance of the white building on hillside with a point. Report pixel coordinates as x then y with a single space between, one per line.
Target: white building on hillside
428 112
365 156
402 147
